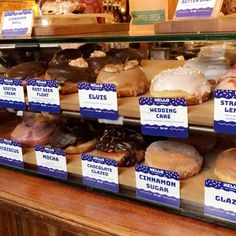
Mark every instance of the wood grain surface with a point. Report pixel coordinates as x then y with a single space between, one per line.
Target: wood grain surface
79 211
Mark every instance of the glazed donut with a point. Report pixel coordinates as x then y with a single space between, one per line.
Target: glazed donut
129 78
225 167
181 82
174 156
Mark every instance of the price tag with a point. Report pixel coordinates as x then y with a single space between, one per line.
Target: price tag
198 9
11 153
225 111
12 94
17 23
43 95
98 101
166 117
51 162
220 199
157 185
100 172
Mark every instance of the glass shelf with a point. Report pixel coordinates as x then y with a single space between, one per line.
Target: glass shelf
119 37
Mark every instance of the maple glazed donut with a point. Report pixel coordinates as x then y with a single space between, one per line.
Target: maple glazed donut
129 78
225 167
174 156
181 82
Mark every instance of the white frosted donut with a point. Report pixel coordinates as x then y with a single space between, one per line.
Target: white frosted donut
174 156
225 167
183 82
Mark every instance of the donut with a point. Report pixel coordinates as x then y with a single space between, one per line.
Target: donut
65 56
174 156
125 54
68 75
124 145
129 78
27 70
181 82
225 167
212 70
228 81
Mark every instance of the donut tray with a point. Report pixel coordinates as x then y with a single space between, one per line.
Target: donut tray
201 115
192 198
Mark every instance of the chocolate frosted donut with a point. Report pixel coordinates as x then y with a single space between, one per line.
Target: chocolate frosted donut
65 56
68 76
89 48
73 137
124 144
27 70
98 63
125 54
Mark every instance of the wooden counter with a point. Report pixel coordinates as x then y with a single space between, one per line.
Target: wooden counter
32 206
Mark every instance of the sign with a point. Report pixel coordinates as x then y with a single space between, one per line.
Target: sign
11 153
164 117
51 162
12 94
198 9
98 101
43 95
220 199
225 111
157 185
17 23
100 172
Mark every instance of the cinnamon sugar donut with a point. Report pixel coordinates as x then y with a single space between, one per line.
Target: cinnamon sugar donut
225 167
181 82
174 156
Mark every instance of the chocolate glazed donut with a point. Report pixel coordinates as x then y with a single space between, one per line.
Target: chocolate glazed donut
118 140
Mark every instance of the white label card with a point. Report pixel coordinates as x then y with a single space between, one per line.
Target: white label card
100 172
98 101
157 185
11 153
17 23
51 162
220 199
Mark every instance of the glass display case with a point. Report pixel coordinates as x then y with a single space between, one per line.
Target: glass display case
200 117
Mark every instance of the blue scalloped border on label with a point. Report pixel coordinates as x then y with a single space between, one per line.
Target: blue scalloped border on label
51 89
194 12
145 177
12 102
228 112
52 172
94 109
48 170
17 31
99 113
219 193
97 180
220 213
174 104
7 160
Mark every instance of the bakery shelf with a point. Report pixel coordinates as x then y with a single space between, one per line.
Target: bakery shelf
123 36
199 115
192 202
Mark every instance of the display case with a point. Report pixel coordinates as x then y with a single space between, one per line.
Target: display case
200 118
